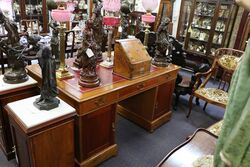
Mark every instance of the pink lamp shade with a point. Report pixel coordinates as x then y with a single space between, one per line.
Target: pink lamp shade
150 5
111 21
111 5
148 18
61 15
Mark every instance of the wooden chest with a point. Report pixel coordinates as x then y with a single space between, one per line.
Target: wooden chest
131 59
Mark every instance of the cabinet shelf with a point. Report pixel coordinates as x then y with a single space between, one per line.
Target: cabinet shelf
208 20
195 39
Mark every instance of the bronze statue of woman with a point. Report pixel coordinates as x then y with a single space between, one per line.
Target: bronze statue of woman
47 100
163 45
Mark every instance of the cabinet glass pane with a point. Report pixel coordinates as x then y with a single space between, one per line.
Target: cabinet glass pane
184 19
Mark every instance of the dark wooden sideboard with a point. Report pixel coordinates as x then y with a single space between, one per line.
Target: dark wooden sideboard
96 107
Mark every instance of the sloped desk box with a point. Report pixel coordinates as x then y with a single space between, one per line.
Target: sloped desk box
42 138
131 59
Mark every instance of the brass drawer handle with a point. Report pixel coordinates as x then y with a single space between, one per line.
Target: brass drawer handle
168 76
140 86
100 102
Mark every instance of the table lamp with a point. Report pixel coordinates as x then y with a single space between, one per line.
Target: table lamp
62 16
110 20
149 6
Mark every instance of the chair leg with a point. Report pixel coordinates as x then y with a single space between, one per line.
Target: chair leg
190 104
205 105
197 101
177 95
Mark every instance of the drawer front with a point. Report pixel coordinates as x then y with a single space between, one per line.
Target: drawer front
142 86
99 102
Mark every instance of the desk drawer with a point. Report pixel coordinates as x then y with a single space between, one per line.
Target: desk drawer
146 85
100 101
166 77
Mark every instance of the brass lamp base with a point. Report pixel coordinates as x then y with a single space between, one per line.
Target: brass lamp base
62 74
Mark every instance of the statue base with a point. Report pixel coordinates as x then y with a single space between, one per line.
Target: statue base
160 62
63 73
99 57
46 104
107 64
89 81
15 77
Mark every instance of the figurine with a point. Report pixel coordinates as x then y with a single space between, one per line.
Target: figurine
54 42
47 100
86 59
125 10
98 30
87 42
14 51
163 45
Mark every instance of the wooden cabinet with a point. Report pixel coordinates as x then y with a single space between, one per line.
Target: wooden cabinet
32 10
45 141
7 96
206 25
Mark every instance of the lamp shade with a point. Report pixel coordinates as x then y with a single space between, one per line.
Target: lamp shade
111 21
149 5
61 15
148 18
111 5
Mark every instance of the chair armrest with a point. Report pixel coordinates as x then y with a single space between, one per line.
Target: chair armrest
198 82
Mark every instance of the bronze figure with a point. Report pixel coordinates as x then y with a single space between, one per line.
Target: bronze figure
14 51
86 58
163 45
47 100
54 42
98 30
125 10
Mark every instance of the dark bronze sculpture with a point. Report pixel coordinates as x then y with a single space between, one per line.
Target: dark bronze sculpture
125 10
86 59
47 100
98 30
163 45
12 48
54 42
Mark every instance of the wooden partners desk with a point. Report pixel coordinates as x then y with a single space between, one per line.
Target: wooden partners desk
146 101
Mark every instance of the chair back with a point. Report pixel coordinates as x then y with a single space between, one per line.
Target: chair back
69 43
32 24
226 62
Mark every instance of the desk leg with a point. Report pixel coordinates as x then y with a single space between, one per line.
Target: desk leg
95 136
149 109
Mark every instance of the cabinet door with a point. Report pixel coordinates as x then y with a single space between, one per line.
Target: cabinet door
164 98
223 26
200 26
185 12
32 10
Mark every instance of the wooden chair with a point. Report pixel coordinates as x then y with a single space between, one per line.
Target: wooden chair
225 62
202 143
69 45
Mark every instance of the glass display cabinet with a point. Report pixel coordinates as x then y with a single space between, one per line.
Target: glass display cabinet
206 25
33 11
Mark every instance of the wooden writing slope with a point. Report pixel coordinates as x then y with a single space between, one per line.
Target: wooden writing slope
145 100
131 59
